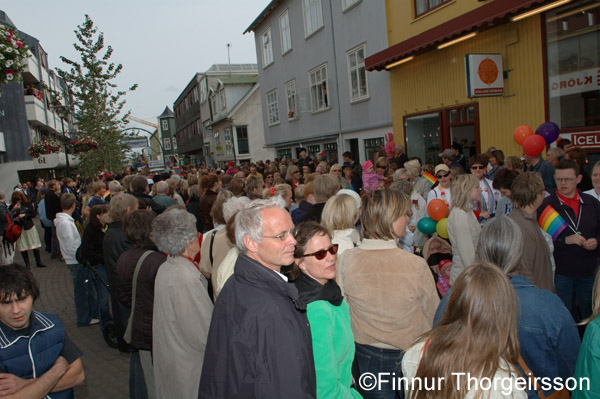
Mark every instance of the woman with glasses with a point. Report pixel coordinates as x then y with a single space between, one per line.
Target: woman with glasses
391 293
332 340
336 170
268 182
293 177
442 190
463 228
382 167
489 196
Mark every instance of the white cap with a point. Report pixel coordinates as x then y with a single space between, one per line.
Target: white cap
353 194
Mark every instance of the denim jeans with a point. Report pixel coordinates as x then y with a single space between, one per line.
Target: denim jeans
101 304
376 360
82 296
137 383
581 287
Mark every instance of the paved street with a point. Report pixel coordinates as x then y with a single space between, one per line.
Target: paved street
106 369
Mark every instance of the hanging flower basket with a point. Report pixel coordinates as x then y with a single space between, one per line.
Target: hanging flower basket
84 144
46 146
13 53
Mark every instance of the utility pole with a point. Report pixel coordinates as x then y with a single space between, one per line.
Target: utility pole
229 58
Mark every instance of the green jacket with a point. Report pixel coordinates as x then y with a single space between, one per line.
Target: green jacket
588 363
333 349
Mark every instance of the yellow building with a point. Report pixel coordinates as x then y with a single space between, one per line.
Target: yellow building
529 61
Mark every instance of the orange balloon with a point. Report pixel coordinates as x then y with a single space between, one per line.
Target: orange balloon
521 133
437 209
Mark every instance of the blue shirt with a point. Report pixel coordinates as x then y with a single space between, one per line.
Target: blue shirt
547 171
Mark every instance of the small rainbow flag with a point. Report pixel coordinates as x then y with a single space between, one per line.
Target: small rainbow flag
177 169
431 178
551 222
106 194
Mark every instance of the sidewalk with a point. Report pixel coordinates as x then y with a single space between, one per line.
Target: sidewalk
106 369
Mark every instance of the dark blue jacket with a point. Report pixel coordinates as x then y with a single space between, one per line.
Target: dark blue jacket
259 343
45 342
573 260
548 336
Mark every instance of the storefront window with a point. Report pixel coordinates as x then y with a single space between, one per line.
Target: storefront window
372 147
423 137
573 45
331 151
313 151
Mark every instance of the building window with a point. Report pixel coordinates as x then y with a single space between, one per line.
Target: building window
267 48
286 35
165 124
573 60
213 104
331 153
313 150
313 16
228 141
290 92
174 143
318 88
167 142
358 73
284 153
203 91
423 6
242 139
223 99
372 147
272 107
346 4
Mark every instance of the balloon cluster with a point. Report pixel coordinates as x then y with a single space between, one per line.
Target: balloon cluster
437 220
533 144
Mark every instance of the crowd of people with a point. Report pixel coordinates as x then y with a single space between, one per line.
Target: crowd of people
298 278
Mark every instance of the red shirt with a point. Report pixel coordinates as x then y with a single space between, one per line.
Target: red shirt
572 203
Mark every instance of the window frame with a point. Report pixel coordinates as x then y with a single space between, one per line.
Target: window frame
294 97
223 98
272 108
349 4
311 85
167 143
285 32
240 130
429 8
357 69
165 125
268 45
312 4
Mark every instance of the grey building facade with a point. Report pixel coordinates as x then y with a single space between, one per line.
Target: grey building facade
166 126
315 90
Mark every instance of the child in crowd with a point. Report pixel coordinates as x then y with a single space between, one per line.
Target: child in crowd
370 178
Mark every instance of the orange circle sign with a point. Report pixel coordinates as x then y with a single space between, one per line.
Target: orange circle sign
488 71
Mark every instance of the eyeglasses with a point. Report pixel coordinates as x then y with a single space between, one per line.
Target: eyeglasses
440 176
269 177
564 179
336 170
296 172
323 253
475 167
381 167
283 236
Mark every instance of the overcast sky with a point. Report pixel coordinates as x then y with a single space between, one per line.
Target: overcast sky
161 44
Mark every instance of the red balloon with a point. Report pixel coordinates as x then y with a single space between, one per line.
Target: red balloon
521 133
437 209
534 145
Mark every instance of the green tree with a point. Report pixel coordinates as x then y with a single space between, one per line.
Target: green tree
95 101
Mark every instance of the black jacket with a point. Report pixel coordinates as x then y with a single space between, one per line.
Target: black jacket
52 205
193 207
26 221
573 260
259 343
157 208
92 244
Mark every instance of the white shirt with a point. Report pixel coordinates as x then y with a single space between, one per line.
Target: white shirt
593 193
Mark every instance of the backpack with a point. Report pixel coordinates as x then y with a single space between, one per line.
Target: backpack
12 232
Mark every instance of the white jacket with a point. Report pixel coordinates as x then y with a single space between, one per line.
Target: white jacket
68 237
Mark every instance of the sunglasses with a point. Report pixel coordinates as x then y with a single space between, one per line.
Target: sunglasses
474 167
441 176
323 253
381 167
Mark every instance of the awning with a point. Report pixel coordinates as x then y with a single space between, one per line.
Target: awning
484 16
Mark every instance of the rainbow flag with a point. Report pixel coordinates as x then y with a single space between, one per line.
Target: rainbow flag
177 169
142 163
551 222
106 194
431 178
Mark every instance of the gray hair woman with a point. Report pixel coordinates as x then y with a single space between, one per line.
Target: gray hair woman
182 307
501 243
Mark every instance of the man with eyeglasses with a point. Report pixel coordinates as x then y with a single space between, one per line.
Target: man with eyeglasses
576 248
259 342
538 164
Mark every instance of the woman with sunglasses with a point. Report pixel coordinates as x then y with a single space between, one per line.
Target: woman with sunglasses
382 167
390 292
327 312
489 196
442 190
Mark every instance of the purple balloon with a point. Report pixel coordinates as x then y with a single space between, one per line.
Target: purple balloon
549 131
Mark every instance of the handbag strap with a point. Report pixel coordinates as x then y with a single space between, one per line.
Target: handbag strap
530 377
134 283
210 252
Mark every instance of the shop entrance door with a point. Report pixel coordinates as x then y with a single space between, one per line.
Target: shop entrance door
462 125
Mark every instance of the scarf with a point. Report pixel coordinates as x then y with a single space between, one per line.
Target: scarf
311 290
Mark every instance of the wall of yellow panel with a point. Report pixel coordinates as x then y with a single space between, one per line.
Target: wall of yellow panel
402 23
437 80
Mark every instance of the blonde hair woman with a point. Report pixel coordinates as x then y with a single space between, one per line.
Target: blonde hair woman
482 310
390 292
285 190
463 227
339 217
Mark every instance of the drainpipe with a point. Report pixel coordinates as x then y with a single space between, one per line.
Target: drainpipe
337 91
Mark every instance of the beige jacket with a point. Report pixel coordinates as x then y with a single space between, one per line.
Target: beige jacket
391 294
221 245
